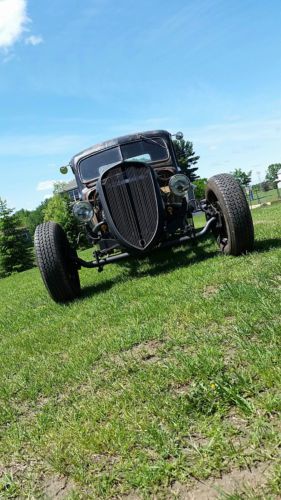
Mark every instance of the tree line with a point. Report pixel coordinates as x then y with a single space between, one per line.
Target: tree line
270 181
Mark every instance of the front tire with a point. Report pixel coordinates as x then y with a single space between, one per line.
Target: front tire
56 262
235 234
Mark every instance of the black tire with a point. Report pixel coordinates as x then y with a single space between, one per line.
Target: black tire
55 259
236 235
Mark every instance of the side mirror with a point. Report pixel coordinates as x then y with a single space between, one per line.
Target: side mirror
179 136
64 170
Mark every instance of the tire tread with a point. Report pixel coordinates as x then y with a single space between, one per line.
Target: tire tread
236 211
51 247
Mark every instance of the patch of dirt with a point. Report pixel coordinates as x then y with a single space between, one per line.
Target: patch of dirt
147 351
230 319
241 443
57 487
236 421
17 469
235 481
240 426
29 410
230 355
181 389
189 349
104 459
42 401
152 454
210 291
195 440
64 357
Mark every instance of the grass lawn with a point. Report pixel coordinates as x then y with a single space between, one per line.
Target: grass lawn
264 196
164 375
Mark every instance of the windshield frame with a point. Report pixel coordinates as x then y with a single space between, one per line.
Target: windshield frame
119 147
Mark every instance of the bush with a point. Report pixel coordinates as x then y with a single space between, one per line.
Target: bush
265 186
200 188
59 209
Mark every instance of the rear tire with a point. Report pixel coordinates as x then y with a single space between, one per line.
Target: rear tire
236 234
56 262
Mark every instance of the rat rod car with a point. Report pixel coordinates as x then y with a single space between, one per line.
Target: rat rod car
134 199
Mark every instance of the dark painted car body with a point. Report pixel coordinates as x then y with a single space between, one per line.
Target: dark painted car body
134 208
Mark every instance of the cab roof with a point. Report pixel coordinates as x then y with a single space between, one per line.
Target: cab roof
118 141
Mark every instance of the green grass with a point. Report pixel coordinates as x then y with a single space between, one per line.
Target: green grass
265 196
166 371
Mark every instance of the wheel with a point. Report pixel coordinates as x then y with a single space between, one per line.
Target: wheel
56 263
235 234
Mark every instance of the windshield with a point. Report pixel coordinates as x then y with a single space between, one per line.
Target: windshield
147 150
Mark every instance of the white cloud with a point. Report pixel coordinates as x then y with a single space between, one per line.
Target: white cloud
34 40
13 21
47 196
45 185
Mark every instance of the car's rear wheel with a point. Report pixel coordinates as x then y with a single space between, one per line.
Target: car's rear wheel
234 231
56 261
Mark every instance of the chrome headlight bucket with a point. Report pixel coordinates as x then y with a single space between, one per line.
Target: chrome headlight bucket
83 211
179 184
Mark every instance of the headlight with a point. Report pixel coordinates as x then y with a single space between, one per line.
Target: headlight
83 211
179 184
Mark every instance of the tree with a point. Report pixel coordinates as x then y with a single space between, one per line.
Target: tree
59 209
265 186
186 158
59 187
15 256
242 177
272 171
32 218
200 188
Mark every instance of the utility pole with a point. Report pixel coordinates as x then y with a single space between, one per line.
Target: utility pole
259 178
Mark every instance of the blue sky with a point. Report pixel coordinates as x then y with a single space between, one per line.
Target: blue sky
73 73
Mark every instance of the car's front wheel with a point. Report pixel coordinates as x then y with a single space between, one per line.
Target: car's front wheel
56 261
234 231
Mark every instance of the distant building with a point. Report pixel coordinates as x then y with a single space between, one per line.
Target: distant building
71 189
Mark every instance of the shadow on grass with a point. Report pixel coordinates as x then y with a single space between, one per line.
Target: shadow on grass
262 246
158 262
89 290
167 260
